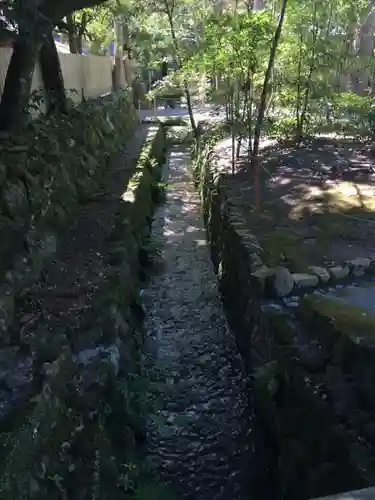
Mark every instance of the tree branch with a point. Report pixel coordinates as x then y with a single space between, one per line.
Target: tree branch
57 10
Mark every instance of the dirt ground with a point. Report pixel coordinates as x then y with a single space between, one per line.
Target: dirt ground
318 201
64 297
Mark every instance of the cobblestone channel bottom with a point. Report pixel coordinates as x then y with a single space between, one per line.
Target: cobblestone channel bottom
207 454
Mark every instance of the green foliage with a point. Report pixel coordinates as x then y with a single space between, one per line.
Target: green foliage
233 44
284 127
323 55
96 403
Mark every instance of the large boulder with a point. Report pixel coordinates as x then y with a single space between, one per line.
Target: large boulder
281 282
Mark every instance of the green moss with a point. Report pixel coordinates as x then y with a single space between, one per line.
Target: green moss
288 245
348 319
283 329
36 461
281 247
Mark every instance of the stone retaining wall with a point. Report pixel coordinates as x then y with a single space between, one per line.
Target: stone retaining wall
44 174
304 401
80 428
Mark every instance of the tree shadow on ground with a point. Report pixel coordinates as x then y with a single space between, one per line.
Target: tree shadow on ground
317 201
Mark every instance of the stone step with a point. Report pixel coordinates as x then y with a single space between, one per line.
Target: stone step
365 494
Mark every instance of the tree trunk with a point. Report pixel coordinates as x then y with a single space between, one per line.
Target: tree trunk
262 106
119 71
52 76
18 81
72 35
303 110
81 32
360 77
73 44
298 96
179 63
244 118
232 126
250 119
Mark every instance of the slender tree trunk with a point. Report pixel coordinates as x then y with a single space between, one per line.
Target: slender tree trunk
72 35
76 32
308 81
179 63
226 112
80 44
262 106
298 96
250 121
263 99
118 70
18 81
243 118
233 132
81 32
52 76
360 77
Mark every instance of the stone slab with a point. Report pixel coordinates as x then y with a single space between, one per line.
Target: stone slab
365 494
321 272
358 267
282 282
359 296
339 272
304 280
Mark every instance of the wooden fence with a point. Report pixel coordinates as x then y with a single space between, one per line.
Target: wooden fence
88 75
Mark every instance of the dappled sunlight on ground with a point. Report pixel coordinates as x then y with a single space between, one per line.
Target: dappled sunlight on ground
188 333
183 205
201 112
318 201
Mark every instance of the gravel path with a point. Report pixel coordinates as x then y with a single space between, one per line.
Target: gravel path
205 454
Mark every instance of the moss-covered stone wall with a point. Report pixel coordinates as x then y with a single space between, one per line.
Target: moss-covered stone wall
308 415
80 428
45 173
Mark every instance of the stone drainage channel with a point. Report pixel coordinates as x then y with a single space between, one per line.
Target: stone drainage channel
207 450
211 447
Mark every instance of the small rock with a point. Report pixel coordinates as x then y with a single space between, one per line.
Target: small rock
14 198
358 267
255 262
282 282
14 381
339 272
47 246
114 357
320 272
272 308
304 280
293 304
253 247
309 241
111 353
6 307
